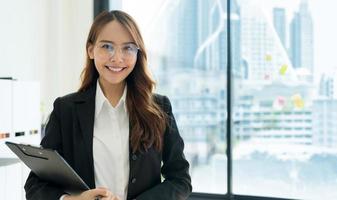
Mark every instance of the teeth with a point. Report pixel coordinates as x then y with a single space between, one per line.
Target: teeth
116 69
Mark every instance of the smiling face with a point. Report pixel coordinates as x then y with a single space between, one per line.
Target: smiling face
114 54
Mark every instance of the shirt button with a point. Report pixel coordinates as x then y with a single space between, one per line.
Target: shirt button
133 180
134 157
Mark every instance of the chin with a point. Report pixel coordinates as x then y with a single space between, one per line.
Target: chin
114 81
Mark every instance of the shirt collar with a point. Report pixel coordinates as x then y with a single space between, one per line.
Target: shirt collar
101 99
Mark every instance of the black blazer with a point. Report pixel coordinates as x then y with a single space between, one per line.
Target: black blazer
70 131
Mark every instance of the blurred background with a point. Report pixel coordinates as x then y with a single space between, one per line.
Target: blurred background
278 105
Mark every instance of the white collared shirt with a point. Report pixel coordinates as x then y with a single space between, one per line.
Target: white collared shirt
111 144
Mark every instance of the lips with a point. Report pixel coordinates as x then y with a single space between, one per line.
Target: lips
115 68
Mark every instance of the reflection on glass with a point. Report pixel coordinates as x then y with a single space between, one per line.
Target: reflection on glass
285 105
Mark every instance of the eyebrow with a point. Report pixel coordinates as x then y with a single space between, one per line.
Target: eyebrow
108 41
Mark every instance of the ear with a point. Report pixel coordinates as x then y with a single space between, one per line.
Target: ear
91 51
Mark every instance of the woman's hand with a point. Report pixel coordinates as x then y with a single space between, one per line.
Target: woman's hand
104 193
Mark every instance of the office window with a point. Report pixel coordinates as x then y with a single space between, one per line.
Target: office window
286 53
284 99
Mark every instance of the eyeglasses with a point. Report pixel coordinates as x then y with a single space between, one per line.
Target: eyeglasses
108 50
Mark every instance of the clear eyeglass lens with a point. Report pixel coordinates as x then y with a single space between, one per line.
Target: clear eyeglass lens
128 50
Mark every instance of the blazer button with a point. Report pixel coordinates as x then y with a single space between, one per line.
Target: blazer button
133 180
134 157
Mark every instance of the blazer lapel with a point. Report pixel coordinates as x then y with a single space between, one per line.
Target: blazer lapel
85 109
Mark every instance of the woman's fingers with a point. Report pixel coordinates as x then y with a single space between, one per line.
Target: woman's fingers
92 194
116 198
110 196
98 192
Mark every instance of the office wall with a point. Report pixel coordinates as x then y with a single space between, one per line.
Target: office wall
45 41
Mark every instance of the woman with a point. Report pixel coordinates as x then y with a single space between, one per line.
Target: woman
114 132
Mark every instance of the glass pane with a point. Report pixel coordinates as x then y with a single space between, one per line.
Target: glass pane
285 106
186 43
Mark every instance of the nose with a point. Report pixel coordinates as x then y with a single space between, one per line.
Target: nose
117 55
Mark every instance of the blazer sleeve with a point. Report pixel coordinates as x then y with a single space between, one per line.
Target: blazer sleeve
35 188
175 168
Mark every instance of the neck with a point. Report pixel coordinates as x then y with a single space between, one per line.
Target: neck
113 92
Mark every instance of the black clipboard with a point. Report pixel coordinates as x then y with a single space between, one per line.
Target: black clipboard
49 166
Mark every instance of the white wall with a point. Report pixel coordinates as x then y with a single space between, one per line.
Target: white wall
44 40
41 40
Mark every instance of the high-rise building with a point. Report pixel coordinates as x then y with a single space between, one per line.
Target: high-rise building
279 17
328 86
204 9
301 38
324 122
263 53
236 58
215 46
197 92
183 34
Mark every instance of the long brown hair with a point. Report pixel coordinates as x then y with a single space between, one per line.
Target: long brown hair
147 119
